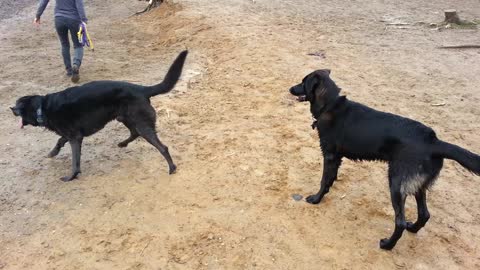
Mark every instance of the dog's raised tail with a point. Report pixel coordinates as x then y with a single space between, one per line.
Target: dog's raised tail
173 74
467 159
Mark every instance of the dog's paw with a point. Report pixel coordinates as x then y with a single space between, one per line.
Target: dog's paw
172 169
313 199
52 154
411 227
386 244
70 178
67 178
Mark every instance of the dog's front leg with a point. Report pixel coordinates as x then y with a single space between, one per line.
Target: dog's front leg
76 145
60 143
331 163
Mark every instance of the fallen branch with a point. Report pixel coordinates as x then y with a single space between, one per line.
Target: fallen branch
148 243
319 54
467 46
398 23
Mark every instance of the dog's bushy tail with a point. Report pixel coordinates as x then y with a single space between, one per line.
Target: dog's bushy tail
170 79
467 159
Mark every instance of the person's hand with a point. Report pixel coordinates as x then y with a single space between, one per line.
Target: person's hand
36 21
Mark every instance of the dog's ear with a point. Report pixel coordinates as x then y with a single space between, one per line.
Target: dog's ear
311 84
328 71
16 111
341 100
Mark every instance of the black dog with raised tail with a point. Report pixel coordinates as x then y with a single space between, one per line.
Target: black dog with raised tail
81 111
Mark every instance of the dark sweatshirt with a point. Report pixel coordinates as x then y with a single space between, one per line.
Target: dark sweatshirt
65 8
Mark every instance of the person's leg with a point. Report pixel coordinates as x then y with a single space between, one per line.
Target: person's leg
78 54
62 31
74 26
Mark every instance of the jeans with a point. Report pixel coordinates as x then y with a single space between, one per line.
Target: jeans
63 25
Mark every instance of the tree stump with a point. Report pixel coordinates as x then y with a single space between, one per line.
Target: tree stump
151 5
451 16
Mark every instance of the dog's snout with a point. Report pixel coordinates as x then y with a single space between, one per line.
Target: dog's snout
15 111
297 90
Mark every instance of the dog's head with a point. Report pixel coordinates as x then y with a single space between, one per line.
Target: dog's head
27 108
318 89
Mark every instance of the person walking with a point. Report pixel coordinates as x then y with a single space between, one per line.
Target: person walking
69 14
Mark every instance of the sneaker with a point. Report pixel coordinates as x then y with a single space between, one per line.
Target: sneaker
75 74
69 72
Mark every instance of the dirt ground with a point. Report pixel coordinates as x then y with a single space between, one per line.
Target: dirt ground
243 146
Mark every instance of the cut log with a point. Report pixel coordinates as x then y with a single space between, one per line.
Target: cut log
451 16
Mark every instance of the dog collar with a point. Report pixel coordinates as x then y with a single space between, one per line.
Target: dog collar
314 123
40 116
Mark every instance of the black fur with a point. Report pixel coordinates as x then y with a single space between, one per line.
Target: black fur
81 111
352 130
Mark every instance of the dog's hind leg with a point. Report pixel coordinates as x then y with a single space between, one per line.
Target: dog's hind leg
142 114
60 143
76 145
398 202
423 214
331 163
133 136
432 169
150 135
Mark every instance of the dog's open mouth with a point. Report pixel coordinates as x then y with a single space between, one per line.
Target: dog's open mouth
302 98
20 124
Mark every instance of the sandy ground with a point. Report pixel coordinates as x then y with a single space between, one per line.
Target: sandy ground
11 8
242 145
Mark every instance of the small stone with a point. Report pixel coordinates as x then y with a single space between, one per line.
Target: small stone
297 197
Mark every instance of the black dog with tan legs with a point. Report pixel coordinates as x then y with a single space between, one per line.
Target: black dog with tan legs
354 131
